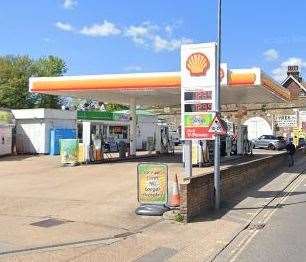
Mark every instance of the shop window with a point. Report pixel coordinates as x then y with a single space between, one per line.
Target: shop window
118 132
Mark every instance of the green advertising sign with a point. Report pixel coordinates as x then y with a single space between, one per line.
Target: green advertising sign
69 151
95 115
201 119
152 181
102 116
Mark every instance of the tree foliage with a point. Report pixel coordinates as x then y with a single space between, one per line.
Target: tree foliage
15 72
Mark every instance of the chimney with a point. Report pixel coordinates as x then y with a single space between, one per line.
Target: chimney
295 72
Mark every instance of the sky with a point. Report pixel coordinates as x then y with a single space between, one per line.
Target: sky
124 36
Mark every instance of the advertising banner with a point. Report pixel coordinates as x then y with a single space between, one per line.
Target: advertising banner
69 151
198 62
196 126
302 120
152 181
286 121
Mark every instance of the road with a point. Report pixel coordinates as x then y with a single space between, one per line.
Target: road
278 233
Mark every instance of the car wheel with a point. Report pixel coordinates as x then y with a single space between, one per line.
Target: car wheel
271 147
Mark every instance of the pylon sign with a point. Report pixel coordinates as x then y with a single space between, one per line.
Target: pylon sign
216 127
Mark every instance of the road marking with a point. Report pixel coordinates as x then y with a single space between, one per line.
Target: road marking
266 218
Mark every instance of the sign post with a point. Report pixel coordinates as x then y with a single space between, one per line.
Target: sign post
217 108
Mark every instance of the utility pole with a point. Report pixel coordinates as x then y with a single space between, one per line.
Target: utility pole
218 110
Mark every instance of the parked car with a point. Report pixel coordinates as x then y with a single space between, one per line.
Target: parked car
269 142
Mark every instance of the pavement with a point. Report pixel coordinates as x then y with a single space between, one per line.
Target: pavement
86 213
277 233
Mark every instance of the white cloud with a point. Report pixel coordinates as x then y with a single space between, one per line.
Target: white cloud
142 33
161 44
280 72
149 35
168 29
47 40
133 68
146 34
104 29
64 26
271 55
70 4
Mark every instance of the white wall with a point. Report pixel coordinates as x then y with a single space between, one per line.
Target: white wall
34 125
258 126
28 113
5 140
147 126
30 136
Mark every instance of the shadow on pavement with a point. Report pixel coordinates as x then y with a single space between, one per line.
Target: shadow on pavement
252 191
16 158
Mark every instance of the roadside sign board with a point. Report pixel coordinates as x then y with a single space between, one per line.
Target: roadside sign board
198 90
152 181
286 121
217 127
69 151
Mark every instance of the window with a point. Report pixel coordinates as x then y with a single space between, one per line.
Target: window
119 132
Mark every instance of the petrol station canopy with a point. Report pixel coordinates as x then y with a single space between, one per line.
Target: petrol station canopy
239 86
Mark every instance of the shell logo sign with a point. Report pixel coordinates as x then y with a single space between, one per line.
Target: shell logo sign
197 64
198 67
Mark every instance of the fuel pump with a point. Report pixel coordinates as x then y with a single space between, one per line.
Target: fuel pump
162 138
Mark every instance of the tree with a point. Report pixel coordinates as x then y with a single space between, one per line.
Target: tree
49 66
15 72
14 77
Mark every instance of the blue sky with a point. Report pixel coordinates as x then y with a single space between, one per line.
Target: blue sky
97 37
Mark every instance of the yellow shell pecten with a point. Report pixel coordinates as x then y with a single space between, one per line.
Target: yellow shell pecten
197 64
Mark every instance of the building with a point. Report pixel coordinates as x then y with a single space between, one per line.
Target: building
294 82
113 127
5 139
33 128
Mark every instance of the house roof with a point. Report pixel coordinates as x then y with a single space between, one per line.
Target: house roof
290 77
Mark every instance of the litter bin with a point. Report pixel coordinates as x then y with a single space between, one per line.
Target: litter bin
122 149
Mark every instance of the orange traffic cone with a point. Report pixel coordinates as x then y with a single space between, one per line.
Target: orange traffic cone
175 197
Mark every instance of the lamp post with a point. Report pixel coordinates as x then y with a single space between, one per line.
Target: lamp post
218 110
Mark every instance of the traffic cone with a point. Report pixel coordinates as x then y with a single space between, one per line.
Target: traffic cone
175 197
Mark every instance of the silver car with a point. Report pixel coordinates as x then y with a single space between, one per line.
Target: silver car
269 142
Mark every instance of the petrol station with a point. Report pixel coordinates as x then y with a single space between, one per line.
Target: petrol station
193 90
238 86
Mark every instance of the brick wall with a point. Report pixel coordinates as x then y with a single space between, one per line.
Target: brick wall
197 193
